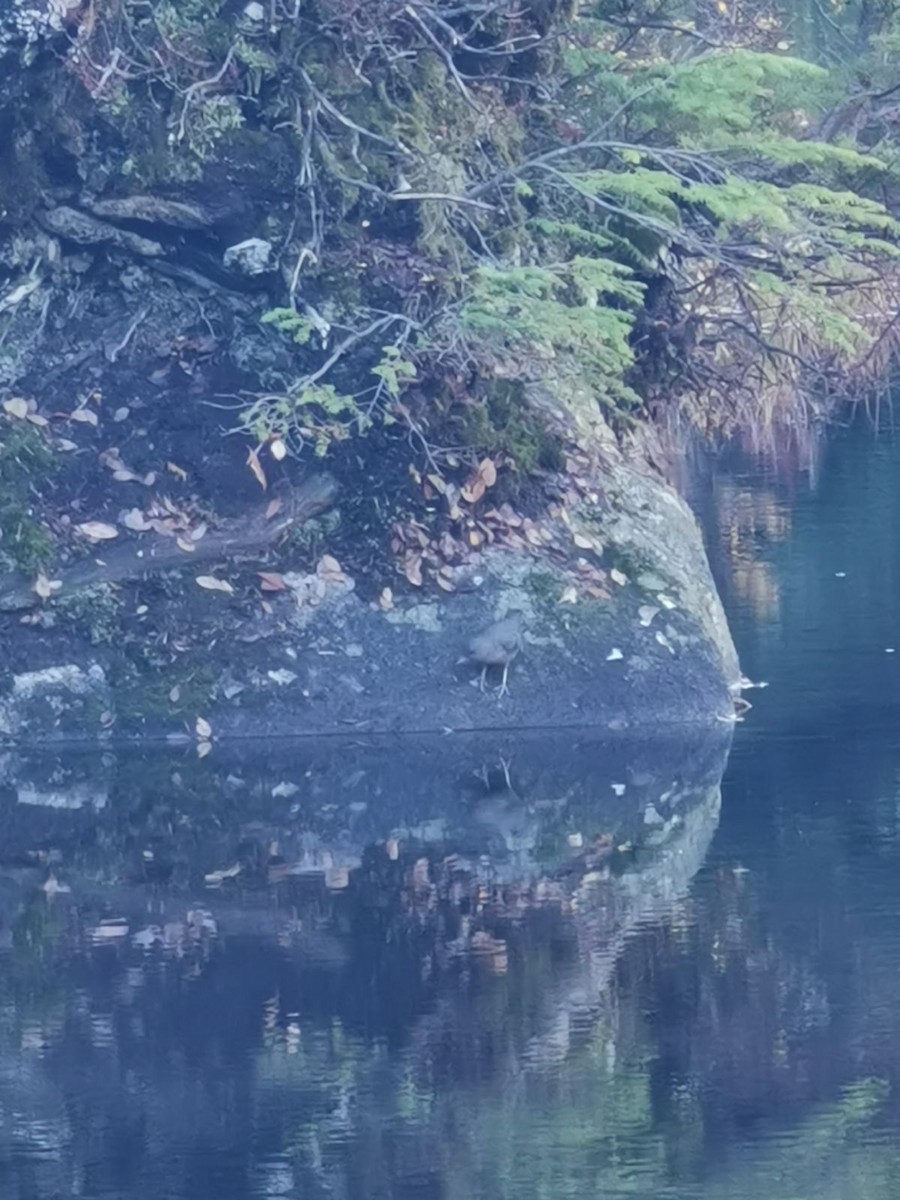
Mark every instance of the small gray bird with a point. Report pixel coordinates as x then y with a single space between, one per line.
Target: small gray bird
498 645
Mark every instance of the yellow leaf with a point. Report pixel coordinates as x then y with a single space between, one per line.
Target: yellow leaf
97 531
211 584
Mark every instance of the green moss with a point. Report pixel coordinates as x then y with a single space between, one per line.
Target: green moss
145 693
25 461
95 611
503 422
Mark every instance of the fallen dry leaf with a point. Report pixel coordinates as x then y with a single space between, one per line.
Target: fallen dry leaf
570 595
175 694
203 748
271 581
273 508
211 584
412 569
443 582
97 531
86 416
178 472
45 587
582 541
198 532
618 577
16 407
185 544
37 419
386 599
214 878
277 449
136 521
329 568
256 467
203 729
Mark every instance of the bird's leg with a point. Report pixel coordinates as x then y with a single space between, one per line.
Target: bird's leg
481 681
504 690
505 765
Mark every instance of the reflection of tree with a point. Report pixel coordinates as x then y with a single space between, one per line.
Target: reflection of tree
746 519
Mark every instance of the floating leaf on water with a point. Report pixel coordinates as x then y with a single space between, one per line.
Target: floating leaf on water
16 407
211 584
256 467
203 729
97 531
277 449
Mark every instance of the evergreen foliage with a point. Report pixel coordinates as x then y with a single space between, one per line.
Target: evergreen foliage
649 195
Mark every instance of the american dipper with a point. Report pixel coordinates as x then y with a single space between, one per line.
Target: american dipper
498 645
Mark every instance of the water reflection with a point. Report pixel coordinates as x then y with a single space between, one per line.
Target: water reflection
330 972
496 968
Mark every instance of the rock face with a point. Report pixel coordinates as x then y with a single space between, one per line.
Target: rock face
652 650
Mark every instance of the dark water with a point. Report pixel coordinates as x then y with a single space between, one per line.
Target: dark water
484 968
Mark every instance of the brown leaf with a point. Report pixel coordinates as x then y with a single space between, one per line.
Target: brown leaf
97 531
487 469
135 520
211 584
273 508
474 489
329 568
271 581
256 467
412 568
86 416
